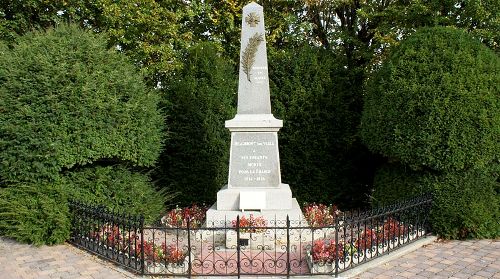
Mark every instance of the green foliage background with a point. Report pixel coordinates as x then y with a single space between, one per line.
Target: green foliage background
197 102
321 157
35 213
465 203
434 109
435 103
68 101
116 187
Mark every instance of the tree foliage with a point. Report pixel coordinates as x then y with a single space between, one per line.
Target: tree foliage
435 103
147 31
198 101
361 30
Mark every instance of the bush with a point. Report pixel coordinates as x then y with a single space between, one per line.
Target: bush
66 100
395 182
321 156
434 109
435 103
198 101
69 106
117 188
35 214
465 203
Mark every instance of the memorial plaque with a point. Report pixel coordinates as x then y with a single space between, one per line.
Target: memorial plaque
254 160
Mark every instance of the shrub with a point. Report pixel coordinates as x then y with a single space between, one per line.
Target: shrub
35 214
117 188
434 109
67 106
66 100
321 156
435 103
465 203
198 101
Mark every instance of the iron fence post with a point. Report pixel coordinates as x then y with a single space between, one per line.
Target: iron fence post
189 247
141 229
238 245
287 246
336 248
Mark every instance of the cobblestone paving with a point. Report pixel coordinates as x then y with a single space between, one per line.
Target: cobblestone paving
476 259
50 262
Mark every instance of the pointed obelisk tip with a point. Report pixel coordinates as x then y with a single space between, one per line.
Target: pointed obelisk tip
252 5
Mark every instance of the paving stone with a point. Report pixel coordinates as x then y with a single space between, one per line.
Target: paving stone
454 259
461 275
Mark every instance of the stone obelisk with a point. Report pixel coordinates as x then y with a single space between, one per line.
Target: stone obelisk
254 183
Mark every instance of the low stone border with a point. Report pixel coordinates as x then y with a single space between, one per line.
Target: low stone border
389 257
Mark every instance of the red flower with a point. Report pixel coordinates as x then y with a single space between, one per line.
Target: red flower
320 215
251 224
326 251
178 217
367 239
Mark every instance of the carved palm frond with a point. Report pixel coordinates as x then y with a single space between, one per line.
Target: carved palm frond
248 55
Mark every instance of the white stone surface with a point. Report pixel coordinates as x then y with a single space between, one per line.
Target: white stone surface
254 123
217 217
250 200
276 198
254 160
253 86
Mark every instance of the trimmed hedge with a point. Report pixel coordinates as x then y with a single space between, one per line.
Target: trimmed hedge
465 204
118 188
69 107
435 103
197 102
66 100
434 109
35 213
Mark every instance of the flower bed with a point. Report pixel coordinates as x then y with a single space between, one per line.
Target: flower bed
178 217
162 258
363 245
320 215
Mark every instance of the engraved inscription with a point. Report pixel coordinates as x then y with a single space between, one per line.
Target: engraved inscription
260 74
254 160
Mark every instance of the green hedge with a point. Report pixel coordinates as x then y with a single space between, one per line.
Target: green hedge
434 109
117 188
465 204
321 156
435 103
197 102
35 213
77 120
66 100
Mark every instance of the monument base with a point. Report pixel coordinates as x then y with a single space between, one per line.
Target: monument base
274 217
240 198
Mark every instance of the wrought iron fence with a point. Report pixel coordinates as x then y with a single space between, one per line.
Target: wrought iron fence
283 248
